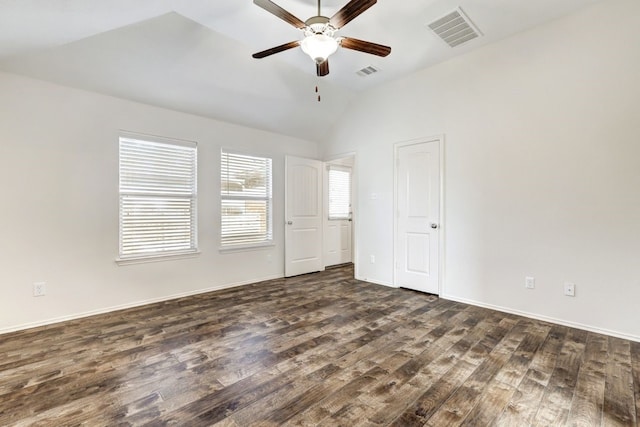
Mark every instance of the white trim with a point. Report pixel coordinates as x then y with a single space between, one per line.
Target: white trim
279 276
440 138
133 305
543 318
355 217
156 138
341 156
157 258
376 282
246 248
441 255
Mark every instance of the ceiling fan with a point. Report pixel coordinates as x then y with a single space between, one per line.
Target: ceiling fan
320 40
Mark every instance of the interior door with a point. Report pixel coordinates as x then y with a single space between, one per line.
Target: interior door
418 216
338 242
303 216
338 215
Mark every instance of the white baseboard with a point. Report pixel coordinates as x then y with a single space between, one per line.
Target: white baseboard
54 320
375 282
562 322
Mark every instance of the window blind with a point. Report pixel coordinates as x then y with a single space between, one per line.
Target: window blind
246 200
157 198
339 192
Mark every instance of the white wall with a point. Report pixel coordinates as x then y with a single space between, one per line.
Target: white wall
59 214
542 168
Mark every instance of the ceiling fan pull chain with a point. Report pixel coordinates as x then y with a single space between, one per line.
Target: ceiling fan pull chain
318 92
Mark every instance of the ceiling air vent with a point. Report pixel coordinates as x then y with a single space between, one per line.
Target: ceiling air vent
455 28
367 71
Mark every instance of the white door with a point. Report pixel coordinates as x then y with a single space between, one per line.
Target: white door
418 216
338 215
303 216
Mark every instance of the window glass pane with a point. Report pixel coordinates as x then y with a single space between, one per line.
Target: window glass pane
339 192
245 186
157 198
245 222
245 175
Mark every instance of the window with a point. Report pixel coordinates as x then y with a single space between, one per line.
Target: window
157 198
339 192
245 200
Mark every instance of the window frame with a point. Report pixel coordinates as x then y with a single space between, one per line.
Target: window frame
192 197
269 239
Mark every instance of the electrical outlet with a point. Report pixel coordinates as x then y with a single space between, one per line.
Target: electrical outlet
569 289
372 259
529 282
39 289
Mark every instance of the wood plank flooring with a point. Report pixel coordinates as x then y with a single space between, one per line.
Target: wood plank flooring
316 350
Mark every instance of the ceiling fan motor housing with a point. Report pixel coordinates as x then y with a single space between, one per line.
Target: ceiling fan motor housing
319 25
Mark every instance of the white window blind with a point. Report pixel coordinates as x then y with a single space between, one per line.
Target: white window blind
245 200
339 192
157 198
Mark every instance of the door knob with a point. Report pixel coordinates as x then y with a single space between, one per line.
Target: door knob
434 225
289 222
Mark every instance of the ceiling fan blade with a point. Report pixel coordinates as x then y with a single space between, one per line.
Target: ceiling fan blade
276 10
366 47
322 68
350 11
276 49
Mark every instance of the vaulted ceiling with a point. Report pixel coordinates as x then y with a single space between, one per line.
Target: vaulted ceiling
195 56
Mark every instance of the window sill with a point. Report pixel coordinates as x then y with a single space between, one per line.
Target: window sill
157 258
239 248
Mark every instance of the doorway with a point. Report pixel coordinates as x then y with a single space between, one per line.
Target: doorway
338 211
417 237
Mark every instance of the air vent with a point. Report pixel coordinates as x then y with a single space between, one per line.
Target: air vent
455 28
367 71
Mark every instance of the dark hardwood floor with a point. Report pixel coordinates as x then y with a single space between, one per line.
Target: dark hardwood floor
321 349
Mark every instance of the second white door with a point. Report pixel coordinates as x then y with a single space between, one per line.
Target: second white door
338 214
418 216
303 213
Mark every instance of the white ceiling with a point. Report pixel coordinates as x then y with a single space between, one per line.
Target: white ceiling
195 56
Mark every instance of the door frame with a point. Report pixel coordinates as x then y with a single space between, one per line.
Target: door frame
441 224
354 203
347 162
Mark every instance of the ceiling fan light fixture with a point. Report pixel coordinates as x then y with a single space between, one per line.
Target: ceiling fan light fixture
319 47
